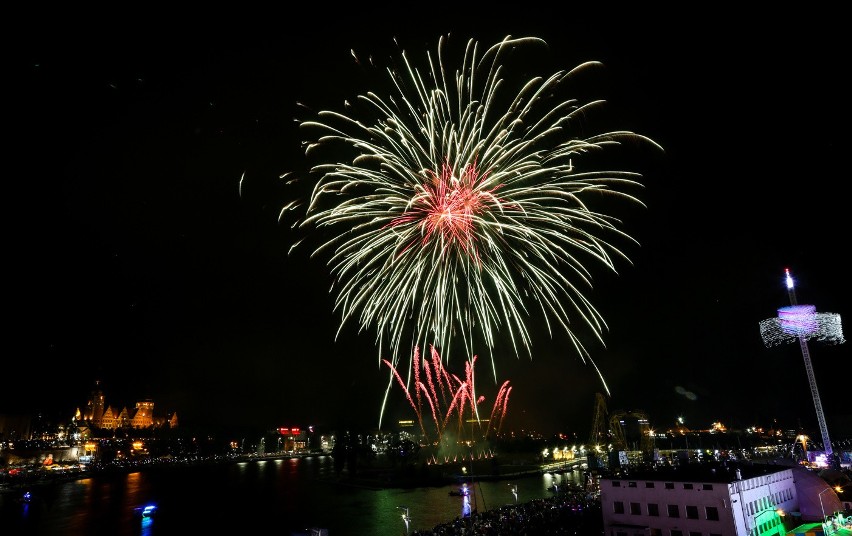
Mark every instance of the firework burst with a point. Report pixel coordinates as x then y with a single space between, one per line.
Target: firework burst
459 207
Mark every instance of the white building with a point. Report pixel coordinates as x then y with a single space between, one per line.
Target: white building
699 500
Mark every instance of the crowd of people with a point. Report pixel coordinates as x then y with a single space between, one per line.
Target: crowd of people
568 513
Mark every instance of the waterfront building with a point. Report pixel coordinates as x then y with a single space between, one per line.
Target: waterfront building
99 414
725 499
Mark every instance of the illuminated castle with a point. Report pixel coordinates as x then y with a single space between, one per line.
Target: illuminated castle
100 415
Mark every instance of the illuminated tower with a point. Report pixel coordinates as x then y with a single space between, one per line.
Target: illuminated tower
802 322
95 405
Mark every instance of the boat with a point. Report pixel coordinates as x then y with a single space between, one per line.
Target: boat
149 510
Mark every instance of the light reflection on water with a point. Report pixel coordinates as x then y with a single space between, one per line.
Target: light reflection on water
146 525
291 494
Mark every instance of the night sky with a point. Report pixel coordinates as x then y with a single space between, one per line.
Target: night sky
132 258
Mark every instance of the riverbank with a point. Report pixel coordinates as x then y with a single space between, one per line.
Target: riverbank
378 476
37 475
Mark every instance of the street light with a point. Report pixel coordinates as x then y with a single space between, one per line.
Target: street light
804 440
405 516
515 492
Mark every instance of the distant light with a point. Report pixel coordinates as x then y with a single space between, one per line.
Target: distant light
789 278
820 460
146 512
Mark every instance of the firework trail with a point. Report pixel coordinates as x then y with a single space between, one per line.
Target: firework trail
502 400
463 397
416 407
461 203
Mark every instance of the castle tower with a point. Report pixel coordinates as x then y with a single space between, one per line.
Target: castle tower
95 405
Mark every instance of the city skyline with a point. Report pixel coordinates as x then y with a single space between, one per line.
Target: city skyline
148 250
425 423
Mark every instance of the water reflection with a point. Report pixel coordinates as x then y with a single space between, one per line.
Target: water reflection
146 525
292 494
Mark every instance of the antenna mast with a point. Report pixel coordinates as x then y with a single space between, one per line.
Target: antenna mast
803 342
802 322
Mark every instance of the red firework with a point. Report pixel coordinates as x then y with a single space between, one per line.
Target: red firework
447 207
447 395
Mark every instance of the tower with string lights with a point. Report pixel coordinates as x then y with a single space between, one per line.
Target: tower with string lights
802 323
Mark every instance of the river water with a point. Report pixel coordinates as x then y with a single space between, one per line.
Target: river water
275 496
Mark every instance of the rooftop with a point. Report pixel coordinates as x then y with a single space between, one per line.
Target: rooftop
723 472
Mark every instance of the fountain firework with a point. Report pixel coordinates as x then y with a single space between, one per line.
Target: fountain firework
444 398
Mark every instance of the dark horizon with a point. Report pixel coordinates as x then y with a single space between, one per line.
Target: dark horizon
146 249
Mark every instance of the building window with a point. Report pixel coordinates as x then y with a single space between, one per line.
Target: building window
669 485
649 484
618 507
692 512
635 509
653 509
619 533
631 484
616 483
712 513
707 487
676 532
673 510
691 533
655 532
687 486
